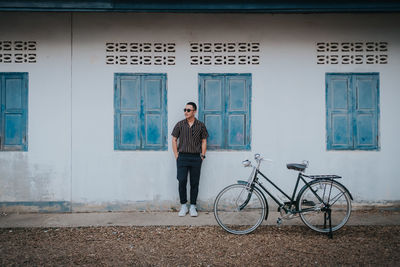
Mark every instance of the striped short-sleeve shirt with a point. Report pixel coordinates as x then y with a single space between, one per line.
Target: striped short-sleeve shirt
189 138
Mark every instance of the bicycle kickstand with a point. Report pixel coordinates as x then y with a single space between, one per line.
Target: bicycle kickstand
330 235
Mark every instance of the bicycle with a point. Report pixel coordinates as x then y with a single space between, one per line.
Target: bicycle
323 204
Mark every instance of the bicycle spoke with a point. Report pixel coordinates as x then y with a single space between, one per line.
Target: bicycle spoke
239 197
238 211
337 198
323 195
316 217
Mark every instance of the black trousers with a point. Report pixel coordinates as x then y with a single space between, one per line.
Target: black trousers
188 162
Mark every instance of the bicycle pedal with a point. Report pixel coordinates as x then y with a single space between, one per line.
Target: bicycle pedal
279 222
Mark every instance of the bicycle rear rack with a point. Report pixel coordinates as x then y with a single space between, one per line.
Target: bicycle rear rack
316 177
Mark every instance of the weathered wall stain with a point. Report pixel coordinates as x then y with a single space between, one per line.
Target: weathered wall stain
35 206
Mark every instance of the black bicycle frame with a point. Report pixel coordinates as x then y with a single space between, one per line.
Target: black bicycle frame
292 199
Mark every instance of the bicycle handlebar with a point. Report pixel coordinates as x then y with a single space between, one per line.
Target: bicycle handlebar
258 158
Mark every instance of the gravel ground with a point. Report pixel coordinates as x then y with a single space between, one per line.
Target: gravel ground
199 246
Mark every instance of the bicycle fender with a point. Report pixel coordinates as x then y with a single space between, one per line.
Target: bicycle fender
345 188
315 181
265 200
259 191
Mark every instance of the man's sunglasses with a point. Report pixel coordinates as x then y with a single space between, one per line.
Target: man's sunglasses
187 110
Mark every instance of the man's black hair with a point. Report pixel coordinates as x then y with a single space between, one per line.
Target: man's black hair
193 105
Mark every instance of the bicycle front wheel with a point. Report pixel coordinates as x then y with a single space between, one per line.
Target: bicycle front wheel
240 210
313 211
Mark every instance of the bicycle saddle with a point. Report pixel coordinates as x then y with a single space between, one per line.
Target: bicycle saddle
296 166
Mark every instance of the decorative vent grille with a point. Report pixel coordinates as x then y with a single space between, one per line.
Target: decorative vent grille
352 53
225 53
18 52
140 53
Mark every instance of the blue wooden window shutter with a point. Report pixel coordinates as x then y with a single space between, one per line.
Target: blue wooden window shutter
140 112
366 111
352 111
14 111
339 125
225 108
212 108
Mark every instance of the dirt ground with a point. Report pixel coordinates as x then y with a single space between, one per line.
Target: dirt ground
198 246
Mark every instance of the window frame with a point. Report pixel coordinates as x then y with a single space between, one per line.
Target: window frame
24 76
141 118
224 113
352 96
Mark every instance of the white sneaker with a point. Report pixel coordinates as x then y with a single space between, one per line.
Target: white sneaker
193 211
183 210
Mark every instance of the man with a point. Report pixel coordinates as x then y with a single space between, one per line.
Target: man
189 154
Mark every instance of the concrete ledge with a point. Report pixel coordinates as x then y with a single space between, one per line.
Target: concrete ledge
392 205
147 206
361 217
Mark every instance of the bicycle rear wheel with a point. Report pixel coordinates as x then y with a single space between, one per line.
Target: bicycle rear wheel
240 210
313 212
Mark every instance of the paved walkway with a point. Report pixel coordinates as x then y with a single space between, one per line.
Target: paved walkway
165 218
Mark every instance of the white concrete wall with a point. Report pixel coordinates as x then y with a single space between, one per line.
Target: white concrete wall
288 106
44 172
